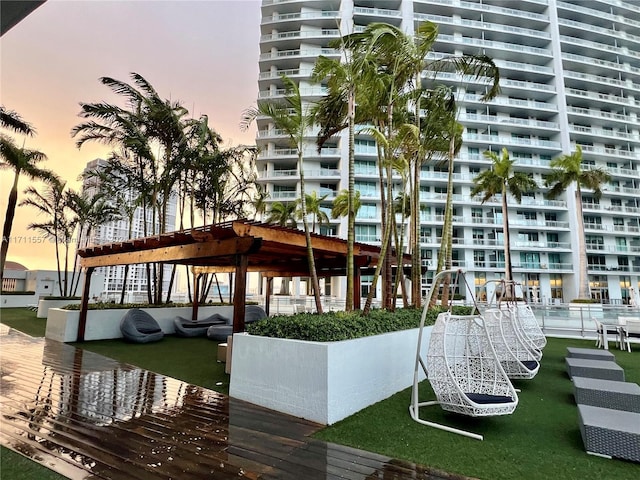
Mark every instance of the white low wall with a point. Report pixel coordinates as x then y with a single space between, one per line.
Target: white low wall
62 325
323 382
44 305
14 301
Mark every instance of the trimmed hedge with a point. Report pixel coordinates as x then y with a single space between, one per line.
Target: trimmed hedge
11 292
336 326
111 305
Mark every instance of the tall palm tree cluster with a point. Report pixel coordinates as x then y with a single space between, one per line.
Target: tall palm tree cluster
379 83
159 155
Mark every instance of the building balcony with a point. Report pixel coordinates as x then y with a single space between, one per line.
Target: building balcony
305 92
613 152
531 17
599 79
290 72
294 38
330 15
286 195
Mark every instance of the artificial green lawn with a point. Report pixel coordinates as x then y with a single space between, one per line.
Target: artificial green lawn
541 440
24 320
14 466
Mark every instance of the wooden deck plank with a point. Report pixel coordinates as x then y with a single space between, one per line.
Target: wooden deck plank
88 416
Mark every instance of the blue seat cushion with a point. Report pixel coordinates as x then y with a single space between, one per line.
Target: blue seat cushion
485 398
530 364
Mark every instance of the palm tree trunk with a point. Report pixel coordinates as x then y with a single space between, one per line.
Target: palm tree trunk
307 235
508 270
583 286
351 217
416 254
447 229
8 224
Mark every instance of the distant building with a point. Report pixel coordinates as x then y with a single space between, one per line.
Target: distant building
136 286
42 283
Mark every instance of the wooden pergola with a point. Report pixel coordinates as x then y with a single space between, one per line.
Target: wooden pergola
239 246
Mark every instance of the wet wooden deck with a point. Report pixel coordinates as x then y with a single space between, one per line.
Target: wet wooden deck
88 417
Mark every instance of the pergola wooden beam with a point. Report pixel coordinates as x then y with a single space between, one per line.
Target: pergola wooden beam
175 253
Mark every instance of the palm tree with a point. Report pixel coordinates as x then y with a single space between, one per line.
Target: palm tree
345 80
13 121
340 206
283 214
567 170
314 207
21 161
58 225
295 119
148 121
89 213
502 180
259 202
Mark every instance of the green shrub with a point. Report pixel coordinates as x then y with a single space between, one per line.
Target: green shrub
584 300
336 326
57 297
8 292
113 305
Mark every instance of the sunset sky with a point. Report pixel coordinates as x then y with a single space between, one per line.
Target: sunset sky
202 53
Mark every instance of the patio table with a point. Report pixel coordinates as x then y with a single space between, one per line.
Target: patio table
590 354
604 369
607 394
610 433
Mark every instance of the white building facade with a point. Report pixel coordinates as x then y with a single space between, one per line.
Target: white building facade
123 229
570 75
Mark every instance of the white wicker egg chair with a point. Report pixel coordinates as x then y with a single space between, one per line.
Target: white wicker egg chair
513 352
462 368
525 321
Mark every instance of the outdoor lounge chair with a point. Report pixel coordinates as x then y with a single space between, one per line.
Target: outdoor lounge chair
463 369
138 326
219 333
185 327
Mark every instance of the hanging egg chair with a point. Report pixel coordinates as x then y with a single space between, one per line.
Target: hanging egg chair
461 366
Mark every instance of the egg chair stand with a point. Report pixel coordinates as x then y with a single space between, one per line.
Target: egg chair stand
461 366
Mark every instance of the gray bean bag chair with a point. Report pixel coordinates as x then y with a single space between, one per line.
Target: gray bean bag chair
219 333
188 328
138 326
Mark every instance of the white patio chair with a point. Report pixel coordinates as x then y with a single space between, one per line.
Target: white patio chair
601 340
462 368
630 330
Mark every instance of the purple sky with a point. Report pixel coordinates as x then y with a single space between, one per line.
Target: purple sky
202 53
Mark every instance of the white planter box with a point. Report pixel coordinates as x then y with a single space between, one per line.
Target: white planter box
45 305
323 382
62 325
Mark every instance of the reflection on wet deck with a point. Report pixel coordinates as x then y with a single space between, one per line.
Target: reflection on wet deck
87 416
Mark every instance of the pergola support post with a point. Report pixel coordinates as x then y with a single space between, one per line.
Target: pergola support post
84 304
239 293
267 294
196 295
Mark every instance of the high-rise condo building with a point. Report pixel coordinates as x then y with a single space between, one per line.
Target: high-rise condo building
124 229
570 75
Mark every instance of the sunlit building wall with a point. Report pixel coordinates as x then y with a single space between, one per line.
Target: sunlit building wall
570 75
